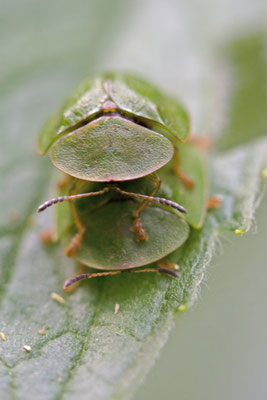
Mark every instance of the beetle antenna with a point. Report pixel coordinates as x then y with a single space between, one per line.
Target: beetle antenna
60 199
160 200
77 278
89 275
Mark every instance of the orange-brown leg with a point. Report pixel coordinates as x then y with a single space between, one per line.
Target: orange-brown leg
47 236
181 175
214 202
138 228
76 241
202 142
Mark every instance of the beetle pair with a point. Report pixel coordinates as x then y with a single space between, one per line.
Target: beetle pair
116 139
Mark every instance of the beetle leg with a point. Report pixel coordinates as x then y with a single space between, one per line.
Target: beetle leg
214 201
47 236
138 228
202 142
181 175
76 241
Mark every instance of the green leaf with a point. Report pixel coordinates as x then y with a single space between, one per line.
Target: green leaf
87 347
247 65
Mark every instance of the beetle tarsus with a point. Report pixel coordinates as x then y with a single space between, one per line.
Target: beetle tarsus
184 178
214 201
47 236
139 230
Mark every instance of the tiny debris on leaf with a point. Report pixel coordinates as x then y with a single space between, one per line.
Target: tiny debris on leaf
239 231
116 309
264 173
182 307
27 348
2 336
42 331
57 298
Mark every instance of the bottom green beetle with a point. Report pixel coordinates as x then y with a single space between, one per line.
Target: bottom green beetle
103 215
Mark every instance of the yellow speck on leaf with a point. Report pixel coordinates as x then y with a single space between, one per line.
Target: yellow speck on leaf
57 298
182 307
2 336
239 231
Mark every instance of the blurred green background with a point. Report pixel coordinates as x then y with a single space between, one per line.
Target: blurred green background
218 349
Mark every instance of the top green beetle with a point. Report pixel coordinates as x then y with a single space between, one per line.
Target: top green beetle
115 127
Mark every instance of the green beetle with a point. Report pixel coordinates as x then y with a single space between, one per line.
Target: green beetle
118 128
